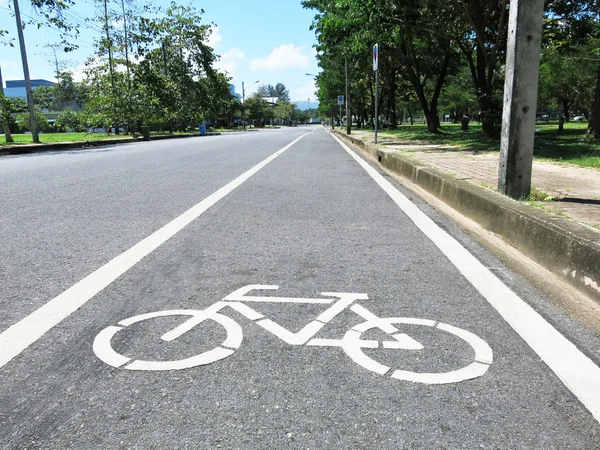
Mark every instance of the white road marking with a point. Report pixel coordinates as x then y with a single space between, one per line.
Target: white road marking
575 370
240 296
103 349
353 345
22 334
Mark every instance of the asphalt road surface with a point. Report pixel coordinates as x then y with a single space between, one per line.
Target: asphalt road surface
267 290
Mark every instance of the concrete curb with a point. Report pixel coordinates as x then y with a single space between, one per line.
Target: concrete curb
38 148
566 248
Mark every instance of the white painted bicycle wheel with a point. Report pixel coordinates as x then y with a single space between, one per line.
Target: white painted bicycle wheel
353 346
103 349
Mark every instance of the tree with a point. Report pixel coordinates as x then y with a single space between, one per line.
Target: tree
70 120
52 11
4 115
43 97
256 108
279 91
422 55
567 79
173 81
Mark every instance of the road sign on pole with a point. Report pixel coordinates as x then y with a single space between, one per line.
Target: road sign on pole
375 57
340 99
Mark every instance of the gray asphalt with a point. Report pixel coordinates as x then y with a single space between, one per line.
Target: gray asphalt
311 221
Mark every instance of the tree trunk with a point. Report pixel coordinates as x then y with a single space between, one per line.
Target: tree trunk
464 123
433 121
593 130
565 108
4 112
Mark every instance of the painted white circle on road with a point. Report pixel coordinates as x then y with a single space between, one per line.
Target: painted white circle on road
353 345
103 349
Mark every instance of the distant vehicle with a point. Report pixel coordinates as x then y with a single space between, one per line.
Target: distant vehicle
579 118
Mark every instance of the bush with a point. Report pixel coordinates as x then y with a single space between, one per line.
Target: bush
24 124
70 120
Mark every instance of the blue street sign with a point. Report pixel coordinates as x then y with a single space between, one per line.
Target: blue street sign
375 57
340 99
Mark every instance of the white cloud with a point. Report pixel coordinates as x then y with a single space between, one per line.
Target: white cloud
78 72
282 57
214 38
230 60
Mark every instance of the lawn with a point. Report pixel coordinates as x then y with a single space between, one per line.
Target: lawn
61 137
571 146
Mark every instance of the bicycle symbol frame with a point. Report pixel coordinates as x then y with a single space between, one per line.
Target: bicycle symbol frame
351 342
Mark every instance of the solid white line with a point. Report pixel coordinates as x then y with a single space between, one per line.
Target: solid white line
28 330
576 370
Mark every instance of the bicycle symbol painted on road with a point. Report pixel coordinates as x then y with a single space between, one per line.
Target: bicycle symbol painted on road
351 343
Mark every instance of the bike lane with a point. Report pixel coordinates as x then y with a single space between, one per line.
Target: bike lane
312 221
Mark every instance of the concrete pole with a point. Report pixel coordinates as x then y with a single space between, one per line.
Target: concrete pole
348 112
28 90
520 97
376 95
243 106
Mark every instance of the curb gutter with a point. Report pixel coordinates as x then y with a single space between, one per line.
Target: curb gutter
21 149
568 249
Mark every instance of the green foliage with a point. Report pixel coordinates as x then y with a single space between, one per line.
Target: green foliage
172 83
43 97
70 120
257 109
285 112
279 91
24 123
427 44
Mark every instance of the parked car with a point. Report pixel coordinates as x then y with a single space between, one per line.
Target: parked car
579 118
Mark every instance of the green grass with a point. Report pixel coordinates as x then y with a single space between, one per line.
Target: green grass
60 137
535 195
571 146
46 138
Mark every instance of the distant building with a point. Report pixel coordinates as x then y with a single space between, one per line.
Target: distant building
232 90
272 101
16 88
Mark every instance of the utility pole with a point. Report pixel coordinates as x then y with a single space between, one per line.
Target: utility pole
243 105
520 97
56 63
129 105
5 124
126 43
348 115
110 60
32 118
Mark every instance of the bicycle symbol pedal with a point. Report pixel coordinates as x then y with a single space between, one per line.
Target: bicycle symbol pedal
351 343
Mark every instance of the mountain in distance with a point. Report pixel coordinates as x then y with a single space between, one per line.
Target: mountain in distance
303 104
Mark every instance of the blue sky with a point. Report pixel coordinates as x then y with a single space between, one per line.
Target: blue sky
265 40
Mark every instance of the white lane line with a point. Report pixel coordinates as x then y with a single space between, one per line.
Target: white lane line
576 370
28 330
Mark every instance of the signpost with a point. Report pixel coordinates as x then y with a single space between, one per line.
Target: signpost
376 69
340 102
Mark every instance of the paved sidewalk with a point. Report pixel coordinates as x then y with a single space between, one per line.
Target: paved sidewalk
575 191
